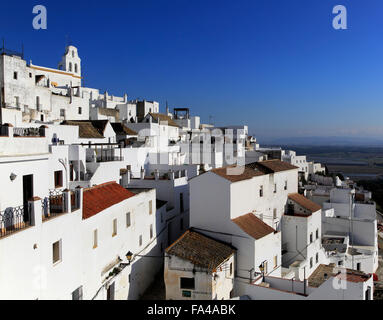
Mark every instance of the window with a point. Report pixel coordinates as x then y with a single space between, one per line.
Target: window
317 258
265 266
317 233
311 237
114 227
56 251
187 283
186 294
231 268
150 207
182 202
70 66
261 191
42 118
151 231
311 263
77 294
368 294
275 261
274 213
30 75
275 188
75 67
58 179
182 224
95 239
128 220
140 240
62 113
340 263
286 185
110 292
15 75
79 110
358 266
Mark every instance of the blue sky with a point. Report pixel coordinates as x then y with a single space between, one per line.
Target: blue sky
276 65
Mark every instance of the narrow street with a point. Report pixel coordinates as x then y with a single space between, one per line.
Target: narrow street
157 290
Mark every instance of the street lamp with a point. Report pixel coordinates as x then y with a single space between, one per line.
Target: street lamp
129 256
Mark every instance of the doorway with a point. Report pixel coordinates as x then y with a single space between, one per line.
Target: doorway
27 194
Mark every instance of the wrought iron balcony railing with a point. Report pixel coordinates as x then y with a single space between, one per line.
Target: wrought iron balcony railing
13 220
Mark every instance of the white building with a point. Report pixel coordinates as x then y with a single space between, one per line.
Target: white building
301 237
199 268
77 245
326 283
243 206
351 214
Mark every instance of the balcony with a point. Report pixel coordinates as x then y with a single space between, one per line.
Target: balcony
108 158
29 132
54 205
57 203
13 220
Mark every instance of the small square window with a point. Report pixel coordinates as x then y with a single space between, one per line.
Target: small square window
56 251
95 239
151 231
58 179
150 207
311 238
114 227
261 191
15 75
286 185
128 223
187 283
140 240
317 258
30 75
311 263
317 233
79 110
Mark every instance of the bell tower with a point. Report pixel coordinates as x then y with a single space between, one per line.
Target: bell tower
70 61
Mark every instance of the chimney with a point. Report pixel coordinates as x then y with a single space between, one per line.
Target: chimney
126 178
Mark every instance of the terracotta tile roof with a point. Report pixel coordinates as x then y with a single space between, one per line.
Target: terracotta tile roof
163 117
88 128
253 226
103 196
272 166
121 129
247 173
254 169
304 202
324 272
201 250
